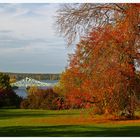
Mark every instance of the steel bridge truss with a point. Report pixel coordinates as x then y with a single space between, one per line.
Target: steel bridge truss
29 82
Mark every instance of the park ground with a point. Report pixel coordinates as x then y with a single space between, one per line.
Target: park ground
63 123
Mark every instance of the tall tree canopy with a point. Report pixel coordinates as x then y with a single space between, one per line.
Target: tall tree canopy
104 59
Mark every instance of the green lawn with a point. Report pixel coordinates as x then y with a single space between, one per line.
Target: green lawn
68 123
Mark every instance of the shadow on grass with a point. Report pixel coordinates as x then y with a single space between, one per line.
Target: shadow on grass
7 114
69 131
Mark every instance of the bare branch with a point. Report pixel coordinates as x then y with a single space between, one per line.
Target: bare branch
76 20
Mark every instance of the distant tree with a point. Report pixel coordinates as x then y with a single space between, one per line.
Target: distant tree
32 90
12 79
4 81
7 96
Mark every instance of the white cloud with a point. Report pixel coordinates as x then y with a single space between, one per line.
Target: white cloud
18 17
28 41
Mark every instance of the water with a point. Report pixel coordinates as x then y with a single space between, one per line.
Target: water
22 92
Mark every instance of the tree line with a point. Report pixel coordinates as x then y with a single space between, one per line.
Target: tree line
19 76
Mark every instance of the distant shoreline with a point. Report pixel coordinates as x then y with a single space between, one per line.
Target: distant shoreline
37 76
27 72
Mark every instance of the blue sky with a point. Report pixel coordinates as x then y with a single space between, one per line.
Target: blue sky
28 39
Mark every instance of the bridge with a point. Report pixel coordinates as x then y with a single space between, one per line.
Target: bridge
28 82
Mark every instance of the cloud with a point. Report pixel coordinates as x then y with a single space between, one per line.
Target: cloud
5 31
29 10
28 42
28 19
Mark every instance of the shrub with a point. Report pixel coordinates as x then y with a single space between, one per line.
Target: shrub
41 99
24 104
9 98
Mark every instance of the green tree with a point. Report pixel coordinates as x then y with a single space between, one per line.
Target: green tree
7 96
4 81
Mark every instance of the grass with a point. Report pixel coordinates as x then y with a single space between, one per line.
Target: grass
64 123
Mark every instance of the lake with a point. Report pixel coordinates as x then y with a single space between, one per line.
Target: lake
22 92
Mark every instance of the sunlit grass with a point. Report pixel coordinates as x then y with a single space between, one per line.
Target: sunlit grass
20 122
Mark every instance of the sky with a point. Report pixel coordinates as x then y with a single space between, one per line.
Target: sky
29 41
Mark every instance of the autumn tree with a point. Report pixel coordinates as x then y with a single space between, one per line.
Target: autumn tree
71 87
106 56
7 96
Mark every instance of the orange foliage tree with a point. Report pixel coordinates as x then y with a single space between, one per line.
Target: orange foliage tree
75 95
102 69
